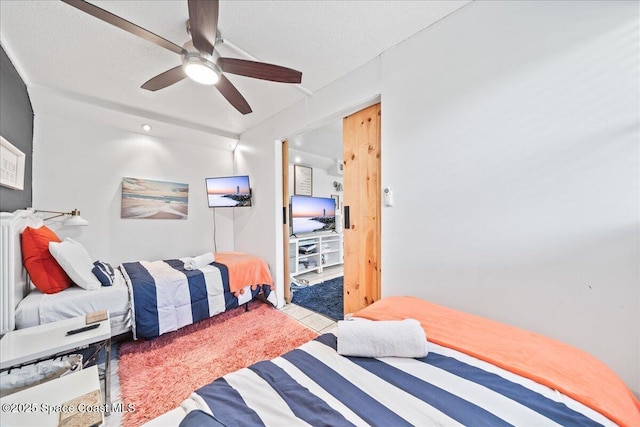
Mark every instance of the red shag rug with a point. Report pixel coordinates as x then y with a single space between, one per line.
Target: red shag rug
157 375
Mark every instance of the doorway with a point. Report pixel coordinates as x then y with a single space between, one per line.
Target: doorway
339 160
314 181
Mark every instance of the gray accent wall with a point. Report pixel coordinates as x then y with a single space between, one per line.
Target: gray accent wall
16 126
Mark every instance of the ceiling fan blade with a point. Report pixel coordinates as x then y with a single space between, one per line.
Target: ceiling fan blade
203 20
124 25
229 91
165 79
259 70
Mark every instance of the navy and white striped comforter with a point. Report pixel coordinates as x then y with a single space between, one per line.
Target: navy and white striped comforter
167 297
314 385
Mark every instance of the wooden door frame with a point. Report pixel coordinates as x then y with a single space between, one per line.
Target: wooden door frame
286 219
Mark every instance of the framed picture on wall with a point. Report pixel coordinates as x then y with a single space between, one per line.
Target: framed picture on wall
302 180
11 165
149 199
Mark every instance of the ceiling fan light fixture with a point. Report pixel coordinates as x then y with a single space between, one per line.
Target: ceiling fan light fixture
200 69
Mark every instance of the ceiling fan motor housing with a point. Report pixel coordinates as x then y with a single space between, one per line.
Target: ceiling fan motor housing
200 67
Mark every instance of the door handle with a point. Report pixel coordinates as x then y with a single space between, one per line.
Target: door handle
347 218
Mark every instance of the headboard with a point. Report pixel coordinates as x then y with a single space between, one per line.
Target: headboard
14 285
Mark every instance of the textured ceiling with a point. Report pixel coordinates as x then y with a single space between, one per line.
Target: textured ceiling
57 47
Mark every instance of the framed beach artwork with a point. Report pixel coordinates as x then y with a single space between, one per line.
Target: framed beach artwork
148 199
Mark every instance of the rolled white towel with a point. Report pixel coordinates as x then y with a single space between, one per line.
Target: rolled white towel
388 338
199 261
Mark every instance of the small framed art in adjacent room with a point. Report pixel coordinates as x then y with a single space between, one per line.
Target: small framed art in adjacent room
302 180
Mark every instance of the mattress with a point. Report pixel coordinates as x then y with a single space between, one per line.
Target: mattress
38 308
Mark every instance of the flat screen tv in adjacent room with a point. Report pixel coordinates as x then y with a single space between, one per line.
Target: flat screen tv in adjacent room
311 214
228 191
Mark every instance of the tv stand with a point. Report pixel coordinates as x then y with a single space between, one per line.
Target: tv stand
315 252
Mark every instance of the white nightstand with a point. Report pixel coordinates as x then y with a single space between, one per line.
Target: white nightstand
36 406
29 345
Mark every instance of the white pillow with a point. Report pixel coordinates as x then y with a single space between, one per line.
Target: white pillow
76 262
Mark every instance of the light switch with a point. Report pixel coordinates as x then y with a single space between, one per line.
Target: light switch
388 197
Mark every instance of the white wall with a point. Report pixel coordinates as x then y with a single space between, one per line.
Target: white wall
510 137
258 230
80 164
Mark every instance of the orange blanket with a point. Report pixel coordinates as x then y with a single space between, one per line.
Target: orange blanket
544 360
244 270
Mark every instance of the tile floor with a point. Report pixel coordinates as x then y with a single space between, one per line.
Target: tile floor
312 320
115 419
308 318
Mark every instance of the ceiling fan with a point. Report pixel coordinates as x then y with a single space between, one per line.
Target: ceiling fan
200 61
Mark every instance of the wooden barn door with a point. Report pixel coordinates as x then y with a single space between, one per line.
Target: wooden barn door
362 194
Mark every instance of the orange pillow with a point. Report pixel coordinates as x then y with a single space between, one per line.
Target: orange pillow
44 271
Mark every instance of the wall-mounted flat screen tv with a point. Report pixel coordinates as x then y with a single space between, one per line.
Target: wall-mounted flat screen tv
228 191
309 214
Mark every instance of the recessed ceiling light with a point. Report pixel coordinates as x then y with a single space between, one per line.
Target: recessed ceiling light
297 159
146 127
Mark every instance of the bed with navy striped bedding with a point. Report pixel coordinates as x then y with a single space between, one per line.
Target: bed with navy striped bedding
314 385
167 297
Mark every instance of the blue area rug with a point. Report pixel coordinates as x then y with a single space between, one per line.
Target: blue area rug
325 298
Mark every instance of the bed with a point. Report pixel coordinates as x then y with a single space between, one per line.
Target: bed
140 290
477 372
166 296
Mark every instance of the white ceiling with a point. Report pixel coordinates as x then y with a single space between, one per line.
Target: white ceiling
60 49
